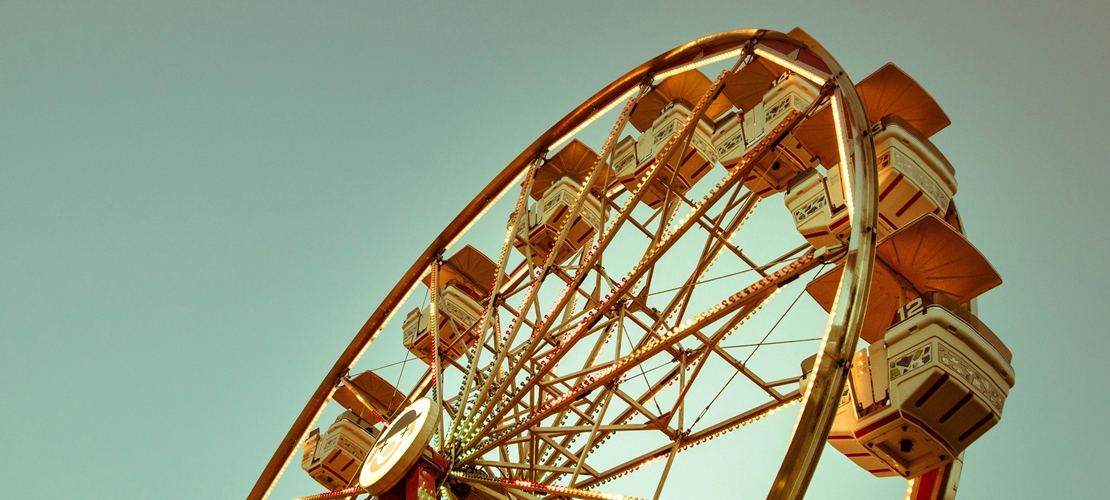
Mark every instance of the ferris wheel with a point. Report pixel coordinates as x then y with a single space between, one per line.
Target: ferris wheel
637 306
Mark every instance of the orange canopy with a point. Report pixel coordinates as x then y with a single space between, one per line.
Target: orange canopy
926 255
690 86
818 136
800 35
891 91
575 160
383 397
468 265
745 88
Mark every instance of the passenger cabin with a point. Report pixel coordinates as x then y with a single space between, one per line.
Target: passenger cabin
554 189
934 378
465 280
334 457
770 99
914 176
659 115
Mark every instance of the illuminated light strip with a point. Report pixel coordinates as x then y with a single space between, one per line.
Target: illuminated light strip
742 423
608 336
718 255
512 279
345 492
791 66
685 446
423 385
300 442
521 204
839 126
470 429
699 63
433 330
817 361
516 180
909 488
593 118
546 488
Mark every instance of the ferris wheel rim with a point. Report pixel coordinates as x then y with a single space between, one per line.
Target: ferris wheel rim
860 256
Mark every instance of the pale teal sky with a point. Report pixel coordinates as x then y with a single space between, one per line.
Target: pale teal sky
201 203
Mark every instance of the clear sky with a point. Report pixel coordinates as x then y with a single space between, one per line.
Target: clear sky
201 203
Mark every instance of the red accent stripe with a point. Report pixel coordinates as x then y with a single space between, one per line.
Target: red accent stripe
811 235
585 235
876 425
907 205
697 173
332 457
349 464
928 429
888 221
794 156
559 214
876 471
333 472
932 390
959 404
928 483
765 191
839 222
841 437
850 455
976 427
689 155
890 187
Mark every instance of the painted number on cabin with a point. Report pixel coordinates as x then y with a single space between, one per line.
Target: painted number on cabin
911 309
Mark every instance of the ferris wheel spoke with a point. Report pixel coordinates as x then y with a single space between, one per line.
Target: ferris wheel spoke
739 366
593 425
601 432
575 208
693 439
681 299
553 405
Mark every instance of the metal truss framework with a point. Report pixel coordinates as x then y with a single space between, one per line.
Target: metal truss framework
544 388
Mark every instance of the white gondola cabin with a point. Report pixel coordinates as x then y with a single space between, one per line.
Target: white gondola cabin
555 188
464 283
659 115
334 457
934 378
914 176
770 99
